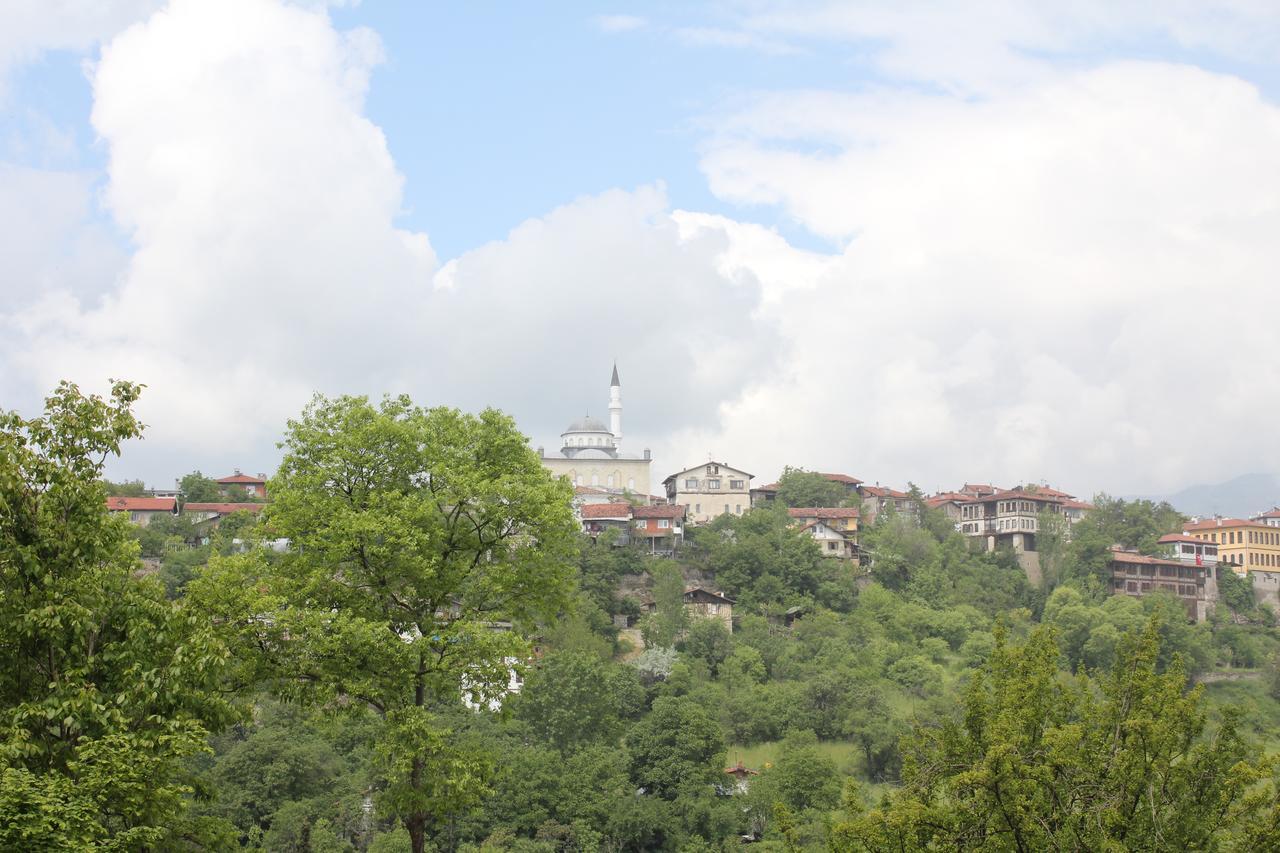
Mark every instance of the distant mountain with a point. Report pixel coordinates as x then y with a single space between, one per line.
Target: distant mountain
1239 497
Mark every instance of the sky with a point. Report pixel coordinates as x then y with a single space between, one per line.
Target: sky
919 242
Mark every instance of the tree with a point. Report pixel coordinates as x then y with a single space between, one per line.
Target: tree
798 487
677 746
566 701
105 687
126 488
668 596
197 488
417 534
1041 761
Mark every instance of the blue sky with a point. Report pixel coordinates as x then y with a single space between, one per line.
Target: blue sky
846 235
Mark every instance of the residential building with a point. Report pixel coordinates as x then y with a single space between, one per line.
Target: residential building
876 499
238 483
591 452
708 604
835 529
210 514
700 603
1180 546
142 510
1242 544
659 529
1010 519
597 518
709 491
1136 575
1271 517
948 502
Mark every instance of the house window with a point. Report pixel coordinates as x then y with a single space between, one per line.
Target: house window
664 523
697 507
713 484
738 509
737 485
631 483
691 483
726 508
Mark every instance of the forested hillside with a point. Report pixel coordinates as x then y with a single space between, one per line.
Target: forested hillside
353 692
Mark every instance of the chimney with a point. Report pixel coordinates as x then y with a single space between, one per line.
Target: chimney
646 453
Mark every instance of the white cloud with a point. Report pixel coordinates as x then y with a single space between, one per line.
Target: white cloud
620 23
1070 280
262 204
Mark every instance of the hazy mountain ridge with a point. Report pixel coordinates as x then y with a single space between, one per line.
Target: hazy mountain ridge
1239 497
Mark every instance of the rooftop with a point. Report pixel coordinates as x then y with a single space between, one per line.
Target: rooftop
142 504
823 512
615 510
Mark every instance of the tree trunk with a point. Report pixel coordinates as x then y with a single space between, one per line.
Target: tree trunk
417 826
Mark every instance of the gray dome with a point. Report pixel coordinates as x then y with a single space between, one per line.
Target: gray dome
587 424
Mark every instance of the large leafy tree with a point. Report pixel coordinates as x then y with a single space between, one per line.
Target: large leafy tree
105 687
798 487
416 535
1043 761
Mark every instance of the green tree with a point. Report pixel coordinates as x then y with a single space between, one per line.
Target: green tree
105 687
197 488
678 746
668 597
566 703
801 488
126 489
1040 761
415 532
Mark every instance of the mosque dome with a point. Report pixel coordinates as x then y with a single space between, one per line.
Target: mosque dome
587 424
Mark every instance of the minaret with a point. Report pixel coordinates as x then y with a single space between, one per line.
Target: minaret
615 408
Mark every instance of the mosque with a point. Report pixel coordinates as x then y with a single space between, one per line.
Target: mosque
591 452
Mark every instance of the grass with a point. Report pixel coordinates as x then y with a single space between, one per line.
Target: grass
1261 713
843 753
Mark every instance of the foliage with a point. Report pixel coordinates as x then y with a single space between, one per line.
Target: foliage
760 558
126 489
678 745
566 704
801 488
1039 761
197 488
669 620
105 687
415 531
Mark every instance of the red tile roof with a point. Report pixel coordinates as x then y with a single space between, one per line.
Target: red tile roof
1271 513
1071 503
587 490
662 511
221 508
1045 495
823 512
1122 556
141 504
1215 523
241 478
606 511
842 478
1181 537
883 492
941 498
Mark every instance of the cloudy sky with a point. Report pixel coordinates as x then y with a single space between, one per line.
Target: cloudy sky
932 242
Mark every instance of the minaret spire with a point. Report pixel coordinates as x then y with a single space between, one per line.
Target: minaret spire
615 407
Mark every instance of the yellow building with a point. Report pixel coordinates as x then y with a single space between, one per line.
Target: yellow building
1244 545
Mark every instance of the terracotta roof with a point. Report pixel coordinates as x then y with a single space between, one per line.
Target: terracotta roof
1072 503
768 487
141 504
606 511
977 489
842 478
241 478
883 492
664 511
1215 523
1049 496
1119 555
823 512
1045 490
1271 513
1182 537
587 490
221 508
690 590
941 498
741 769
